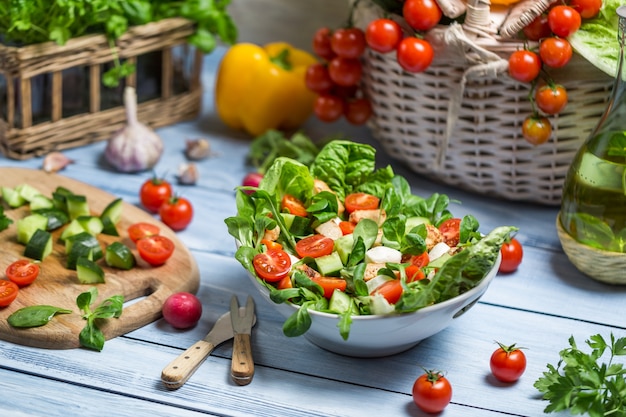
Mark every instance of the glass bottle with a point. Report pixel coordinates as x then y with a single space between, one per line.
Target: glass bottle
593 204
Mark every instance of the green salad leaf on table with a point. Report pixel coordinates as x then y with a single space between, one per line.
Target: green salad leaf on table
344 236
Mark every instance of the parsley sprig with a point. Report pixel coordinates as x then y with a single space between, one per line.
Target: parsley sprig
581 383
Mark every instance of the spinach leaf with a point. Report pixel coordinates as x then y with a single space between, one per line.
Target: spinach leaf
35 316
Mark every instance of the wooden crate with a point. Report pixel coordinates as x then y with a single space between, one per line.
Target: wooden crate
52 97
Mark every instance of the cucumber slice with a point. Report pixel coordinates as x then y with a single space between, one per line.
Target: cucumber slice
340 302
77 206
415 221
329 265
12 197
108 227
118 255
28 192
82 245
56 218
344 246
72 229
59 196
88 271
39 246
40 202
91 224
111 215
300 226
26 226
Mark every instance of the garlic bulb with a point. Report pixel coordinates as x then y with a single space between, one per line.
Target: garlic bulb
135 147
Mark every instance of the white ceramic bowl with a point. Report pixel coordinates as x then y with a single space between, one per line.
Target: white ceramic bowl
383 335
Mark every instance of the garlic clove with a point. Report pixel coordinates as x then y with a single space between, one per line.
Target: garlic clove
55 161
188 174
197 149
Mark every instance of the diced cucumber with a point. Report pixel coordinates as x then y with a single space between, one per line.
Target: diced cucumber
438 262
82 245
415 221
329 265
72 229
300 226
27 191
340 302
40 202
12 197
56 218
111 215
77 206
91 224
26 226
88 271
108 227
78 251
118 255
59 196
39 246
344 246
288 219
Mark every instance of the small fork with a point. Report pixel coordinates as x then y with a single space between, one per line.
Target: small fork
242 364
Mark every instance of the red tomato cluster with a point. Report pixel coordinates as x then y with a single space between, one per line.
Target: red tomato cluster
336 79
550 30
157 196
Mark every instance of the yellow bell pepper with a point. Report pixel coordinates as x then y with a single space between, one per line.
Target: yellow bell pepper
261 88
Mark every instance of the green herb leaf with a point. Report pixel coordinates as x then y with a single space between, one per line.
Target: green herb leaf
35 316
91 336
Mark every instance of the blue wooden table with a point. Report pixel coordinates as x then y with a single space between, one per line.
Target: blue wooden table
538 307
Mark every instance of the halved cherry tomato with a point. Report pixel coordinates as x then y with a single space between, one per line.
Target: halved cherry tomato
315 246
293 205
140 230
414 273
330 284
346 227
391 290
23 272
420 260
285 283
8 292
451 230
272 266
361 201
154 192
271 245
155 250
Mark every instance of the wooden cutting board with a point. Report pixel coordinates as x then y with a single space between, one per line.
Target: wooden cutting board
58 286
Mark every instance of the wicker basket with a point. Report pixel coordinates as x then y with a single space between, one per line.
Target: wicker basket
459 122
52 98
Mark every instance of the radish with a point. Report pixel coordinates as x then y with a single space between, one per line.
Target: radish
182 310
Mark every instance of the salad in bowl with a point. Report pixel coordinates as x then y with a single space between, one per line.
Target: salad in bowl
343 239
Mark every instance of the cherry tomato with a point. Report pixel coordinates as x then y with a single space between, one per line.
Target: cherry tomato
551 99
361 201
315 246
321 43
586 8
563 20
391 290
420 260
177 213
8 292
538 28
432 392
536 129
414 273
284 283
524 65
155 192
357 111
272 266
346 227
155 250
421 15
317 78
414 54
451 230
512 254
507 363
348 42
330 284
345 72
383 35
22 272
140 230
555 52
294 206
328 107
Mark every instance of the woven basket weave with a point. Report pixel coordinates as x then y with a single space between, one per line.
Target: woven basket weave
36 82
459 122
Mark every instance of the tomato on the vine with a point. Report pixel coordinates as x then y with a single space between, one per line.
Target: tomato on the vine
507 363
414 54
358 110
321 43
317 78
586 8
555 52
345 72
421 14
348 42
328 107
272 265
538 28
22 272
551 99
563 20
536 129
524 65
177 213
315 246
8 292
155 250
154 192
432 392
383 35
512 254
